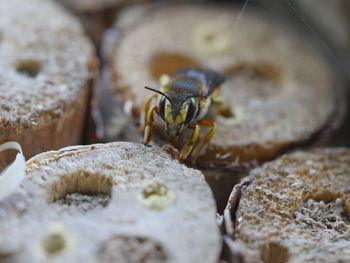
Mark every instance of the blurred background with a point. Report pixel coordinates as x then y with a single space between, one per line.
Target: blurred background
326 22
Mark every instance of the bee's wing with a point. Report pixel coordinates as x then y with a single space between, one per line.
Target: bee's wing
210 78
213 80
186 71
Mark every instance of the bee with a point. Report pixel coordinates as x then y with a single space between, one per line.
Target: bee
184 100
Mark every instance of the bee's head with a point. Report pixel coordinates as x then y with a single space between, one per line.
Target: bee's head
176 110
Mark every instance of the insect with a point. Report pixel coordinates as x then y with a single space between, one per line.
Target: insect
184 100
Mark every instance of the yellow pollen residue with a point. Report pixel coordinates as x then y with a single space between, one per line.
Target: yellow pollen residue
155 195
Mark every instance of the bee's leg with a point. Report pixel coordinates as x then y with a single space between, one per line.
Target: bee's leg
146 107
187 149
149 122
202 146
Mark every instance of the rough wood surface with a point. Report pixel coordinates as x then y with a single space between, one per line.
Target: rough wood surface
47 66
116 202
296 209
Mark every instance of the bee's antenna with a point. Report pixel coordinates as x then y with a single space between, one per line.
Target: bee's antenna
159 92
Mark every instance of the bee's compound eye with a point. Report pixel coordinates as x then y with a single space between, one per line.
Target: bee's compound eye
162 107
192 110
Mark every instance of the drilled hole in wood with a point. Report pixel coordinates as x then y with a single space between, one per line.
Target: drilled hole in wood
132 249
81 192
260 71
28 68
168 63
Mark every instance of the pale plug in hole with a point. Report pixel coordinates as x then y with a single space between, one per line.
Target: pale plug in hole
56 241
155 195
28 68
228 113
81 192
213 38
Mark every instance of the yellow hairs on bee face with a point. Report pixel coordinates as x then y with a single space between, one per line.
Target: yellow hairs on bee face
180 118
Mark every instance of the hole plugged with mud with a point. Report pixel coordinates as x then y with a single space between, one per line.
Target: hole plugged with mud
28 68
169 63
132 249
328 220
81 192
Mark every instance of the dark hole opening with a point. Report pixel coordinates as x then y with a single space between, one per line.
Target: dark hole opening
28 68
